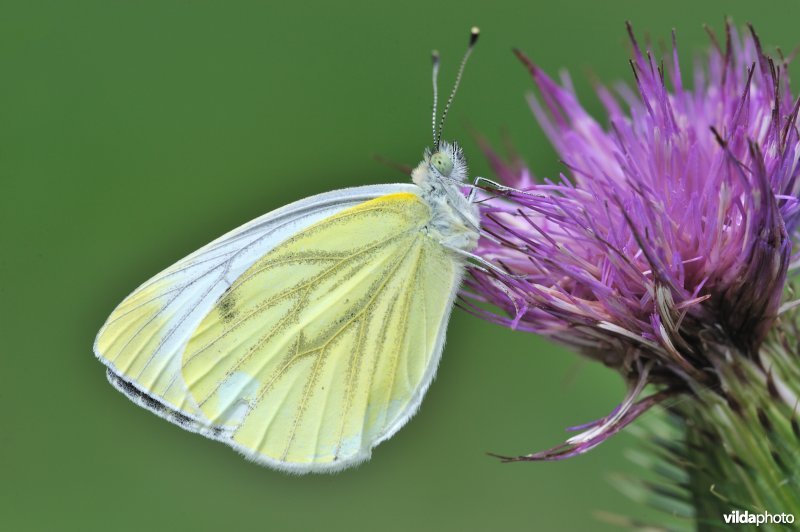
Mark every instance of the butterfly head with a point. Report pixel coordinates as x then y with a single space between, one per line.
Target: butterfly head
442 162
446 163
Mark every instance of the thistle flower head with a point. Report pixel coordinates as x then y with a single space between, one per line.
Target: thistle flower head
669 229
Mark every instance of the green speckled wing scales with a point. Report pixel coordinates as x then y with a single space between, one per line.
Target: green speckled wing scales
325 346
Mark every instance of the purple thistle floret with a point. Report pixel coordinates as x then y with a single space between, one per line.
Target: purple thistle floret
669 230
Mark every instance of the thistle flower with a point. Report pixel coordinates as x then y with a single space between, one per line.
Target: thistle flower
663 249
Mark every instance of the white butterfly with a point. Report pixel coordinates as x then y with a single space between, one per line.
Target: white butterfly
306 337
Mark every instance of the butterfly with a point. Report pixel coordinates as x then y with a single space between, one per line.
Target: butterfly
307 336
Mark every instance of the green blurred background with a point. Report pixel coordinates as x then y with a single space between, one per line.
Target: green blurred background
132 133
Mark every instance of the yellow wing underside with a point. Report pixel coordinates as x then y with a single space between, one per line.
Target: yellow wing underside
324 346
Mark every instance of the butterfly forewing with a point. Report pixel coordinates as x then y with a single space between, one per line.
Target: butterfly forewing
143 340
325 345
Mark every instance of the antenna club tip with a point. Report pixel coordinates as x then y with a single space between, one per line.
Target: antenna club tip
474 33
435 56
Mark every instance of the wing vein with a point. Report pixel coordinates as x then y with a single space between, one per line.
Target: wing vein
404 328
335 335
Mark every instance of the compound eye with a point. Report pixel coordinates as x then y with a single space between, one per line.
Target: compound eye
442 163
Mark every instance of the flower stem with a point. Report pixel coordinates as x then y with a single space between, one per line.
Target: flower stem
733 448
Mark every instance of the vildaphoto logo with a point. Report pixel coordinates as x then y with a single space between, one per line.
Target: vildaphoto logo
737 517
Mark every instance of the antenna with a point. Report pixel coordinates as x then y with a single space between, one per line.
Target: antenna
435 58
473 38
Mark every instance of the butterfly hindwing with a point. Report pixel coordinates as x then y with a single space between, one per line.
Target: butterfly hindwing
324 346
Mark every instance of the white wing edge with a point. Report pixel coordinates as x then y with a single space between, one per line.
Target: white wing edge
278 225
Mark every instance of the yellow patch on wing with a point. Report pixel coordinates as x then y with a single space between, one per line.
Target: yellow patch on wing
323 344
